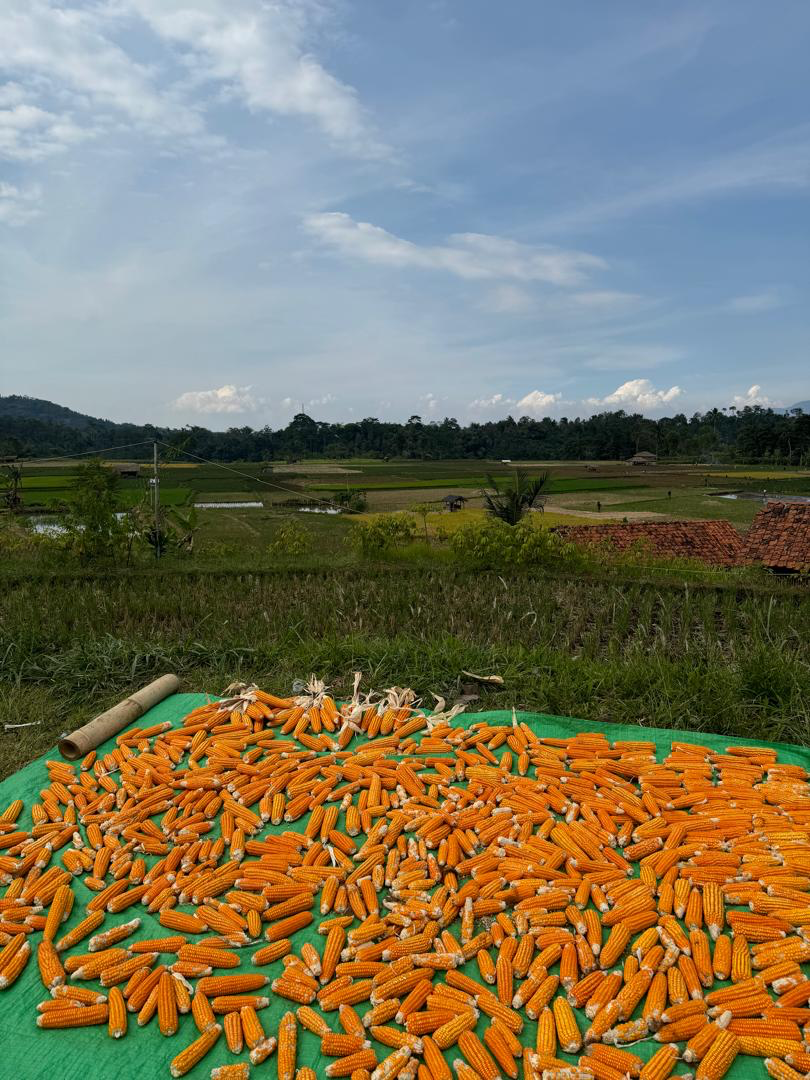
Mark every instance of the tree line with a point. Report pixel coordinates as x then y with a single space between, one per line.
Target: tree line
752 434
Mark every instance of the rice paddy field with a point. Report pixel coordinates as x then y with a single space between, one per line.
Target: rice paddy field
697 651
690 656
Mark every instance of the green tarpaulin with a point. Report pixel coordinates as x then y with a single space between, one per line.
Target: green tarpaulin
27 1053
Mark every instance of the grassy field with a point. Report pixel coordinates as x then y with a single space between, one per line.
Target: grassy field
729 660
687 648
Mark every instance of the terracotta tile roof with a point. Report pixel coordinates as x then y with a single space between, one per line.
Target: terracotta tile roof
716 542
779 536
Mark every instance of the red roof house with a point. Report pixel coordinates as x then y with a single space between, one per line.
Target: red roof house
715 542
779 537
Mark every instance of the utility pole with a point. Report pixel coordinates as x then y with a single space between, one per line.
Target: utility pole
157 501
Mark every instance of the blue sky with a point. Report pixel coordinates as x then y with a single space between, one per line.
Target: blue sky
215 211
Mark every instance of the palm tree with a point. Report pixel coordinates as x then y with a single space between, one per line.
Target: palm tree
509 504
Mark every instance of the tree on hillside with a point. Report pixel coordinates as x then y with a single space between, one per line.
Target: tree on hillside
509 503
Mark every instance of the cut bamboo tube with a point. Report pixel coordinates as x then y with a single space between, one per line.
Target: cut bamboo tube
109 723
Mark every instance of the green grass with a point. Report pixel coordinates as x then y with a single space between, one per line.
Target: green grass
682 647
729 660
692 504
477 482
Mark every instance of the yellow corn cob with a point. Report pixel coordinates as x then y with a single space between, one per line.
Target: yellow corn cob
59 910
434 1060
627 1033
719 1057
448 1034
713 908
312 1021
780 1071
166 1005
234 1037
546 1033
251 1026
621 1061
335 941
90 923
661 1064
757 1046
202 1012
504 1047
195 1052
615 945
293 989
363 1059
740 959
392 1066
117 1026
239 1071
341 1045
262 1051
73 1016
216 985
568 1033
50 967
287 1041
478 1056
270 953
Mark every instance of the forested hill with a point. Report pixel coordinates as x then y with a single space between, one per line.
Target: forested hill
29 408
31 427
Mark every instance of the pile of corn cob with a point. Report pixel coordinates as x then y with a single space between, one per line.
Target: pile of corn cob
601 895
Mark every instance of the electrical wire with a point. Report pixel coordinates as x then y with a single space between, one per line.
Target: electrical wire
80 453
259 479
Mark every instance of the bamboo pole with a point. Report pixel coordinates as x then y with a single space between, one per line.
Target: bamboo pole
109 723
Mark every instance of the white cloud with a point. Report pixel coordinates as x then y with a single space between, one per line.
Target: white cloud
473 256
260 52
638 393
28 133
753 396
68 50
227 399
755 302
18 205
535 403
430 401
496 401
538 403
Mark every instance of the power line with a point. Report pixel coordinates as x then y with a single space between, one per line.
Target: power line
82 453
260 480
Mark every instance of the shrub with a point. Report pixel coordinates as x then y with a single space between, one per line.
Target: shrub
291 540
351 499
492 544
382 533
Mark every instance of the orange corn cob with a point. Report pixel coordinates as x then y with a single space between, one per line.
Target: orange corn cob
195 1052
117 1017
287 1041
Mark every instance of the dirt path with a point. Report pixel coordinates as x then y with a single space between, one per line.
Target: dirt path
606 514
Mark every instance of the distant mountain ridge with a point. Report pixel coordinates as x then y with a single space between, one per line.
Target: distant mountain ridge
21 407
34 428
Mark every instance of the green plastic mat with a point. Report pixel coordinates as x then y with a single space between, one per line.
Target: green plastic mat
28 1053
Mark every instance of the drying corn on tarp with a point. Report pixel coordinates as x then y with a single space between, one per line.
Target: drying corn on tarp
455 888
